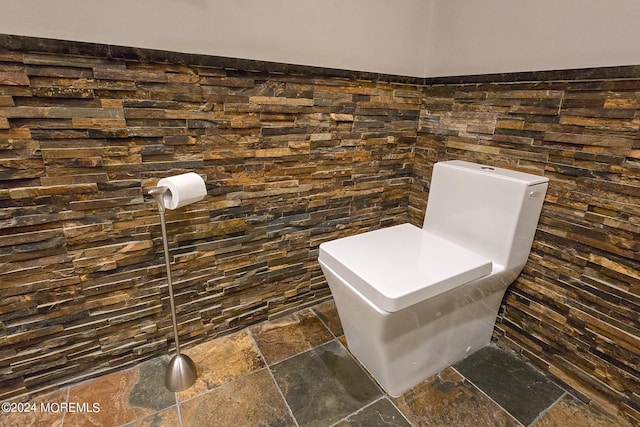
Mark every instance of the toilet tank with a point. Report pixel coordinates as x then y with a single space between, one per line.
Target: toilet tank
488 210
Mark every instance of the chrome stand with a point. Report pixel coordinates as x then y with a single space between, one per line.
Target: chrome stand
181 372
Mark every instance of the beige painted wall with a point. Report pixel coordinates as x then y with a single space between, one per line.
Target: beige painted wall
367 35
493 36
407 37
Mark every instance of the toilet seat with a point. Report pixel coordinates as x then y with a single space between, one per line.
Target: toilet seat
398 266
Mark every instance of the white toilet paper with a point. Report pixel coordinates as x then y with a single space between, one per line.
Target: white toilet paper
183 190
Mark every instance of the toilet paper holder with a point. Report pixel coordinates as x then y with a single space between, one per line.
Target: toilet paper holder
181 371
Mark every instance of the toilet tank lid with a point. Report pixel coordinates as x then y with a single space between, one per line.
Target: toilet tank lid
399 266
511 175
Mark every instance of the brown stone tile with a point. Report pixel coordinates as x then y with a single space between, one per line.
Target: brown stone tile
111 392
328 313
570 412
447 399
38 415
248 401
165 418
286 337
221 360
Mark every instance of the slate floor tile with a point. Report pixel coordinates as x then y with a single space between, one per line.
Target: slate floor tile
296 371
37 417
252 400
570 412
379 414
222 360
166 418
324 385
328 313
123 396
286 337
447 399
512 383
149 391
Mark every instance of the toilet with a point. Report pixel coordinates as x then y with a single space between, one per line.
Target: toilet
412 300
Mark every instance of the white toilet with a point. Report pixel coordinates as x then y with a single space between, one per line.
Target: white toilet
413 301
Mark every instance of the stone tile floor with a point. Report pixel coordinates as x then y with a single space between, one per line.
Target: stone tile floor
297 371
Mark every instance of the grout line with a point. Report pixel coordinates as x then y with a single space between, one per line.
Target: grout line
302 352
487 396
398 409
179 415
149 416
267 367
175 395
357 411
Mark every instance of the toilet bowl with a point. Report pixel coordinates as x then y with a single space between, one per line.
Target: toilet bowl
412 300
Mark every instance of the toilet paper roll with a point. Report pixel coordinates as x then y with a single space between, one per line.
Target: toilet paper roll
183 190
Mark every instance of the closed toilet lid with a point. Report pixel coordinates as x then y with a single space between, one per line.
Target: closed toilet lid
398 266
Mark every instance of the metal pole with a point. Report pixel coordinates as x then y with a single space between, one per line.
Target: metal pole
181 371
163 225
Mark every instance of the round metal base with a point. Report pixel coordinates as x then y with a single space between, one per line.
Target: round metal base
181 373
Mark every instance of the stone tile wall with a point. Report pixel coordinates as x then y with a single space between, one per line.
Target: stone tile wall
293 156
575 309
289 161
